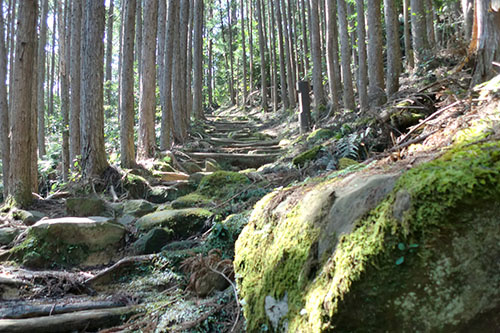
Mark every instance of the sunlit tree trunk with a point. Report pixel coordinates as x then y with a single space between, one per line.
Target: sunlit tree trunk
289 58
4 111
375 55
262 47
429 19
244 53
393 48
41 78
147 100
467 10
138 36
198 60
109 51
362 57
274 57
64 48
284 94
50 109
348 91
21 178
94 161
317 71
419 30
75 83
410 63
127 147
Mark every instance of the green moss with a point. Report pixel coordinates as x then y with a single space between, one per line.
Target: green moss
346 162
437 189
225 233
379 259
306 156
35 251
222 184
320 134
193 199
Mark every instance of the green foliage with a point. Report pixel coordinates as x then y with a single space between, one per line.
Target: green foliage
225 233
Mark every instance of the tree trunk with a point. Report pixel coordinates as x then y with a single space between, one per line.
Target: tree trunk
274 57
284 95
127 147
263 79
429 19
160 55
198 60
467 9
109 52
250 42
319 96
92 117
75 83
244 52
64 84
305 45
410 63
231 56
167 116
419 30
345 56
138 37
50 110
21 178
147 100
486 46
12 53
289 59
41 78
375 65
179 75
393 48
332 51
362 58
189 67
4 110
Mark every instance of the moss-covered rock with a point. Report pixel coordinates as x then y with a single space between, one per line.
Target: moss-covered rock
183 222
7 235
70 241
138 207
320 134
301 159
222 184
153 241
346 162
84 206
424 259
193 199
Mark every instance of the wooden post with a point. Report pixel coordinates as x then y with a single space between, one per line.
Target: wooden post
304 106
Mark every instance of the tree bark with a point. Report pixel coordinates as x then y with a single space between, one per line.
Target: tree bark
244 53
289 58
41 78
410 63
4 110
467 9
274 57
138 37
109 51
317 72
21 178
64 48
92 117
250 42
75 83
231 56
375 65
127 148
167 116
345 56
284 95
50 109
263 79
332 52
429 19
362 57
198 60
419 30
147 99
393 48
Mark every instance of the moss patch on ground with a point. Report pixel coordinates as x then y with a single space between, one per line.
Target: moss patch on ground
301 159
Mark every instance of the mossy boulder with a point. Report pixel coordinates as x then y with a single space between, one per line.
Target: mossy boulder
309 155
138 207
183 222
320 134
153 241
422 259
27 217
7 235
346 162
70 241
222 184
191 200
84 206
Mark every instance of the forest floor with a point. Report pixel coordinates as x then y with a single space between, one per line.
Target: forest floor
166 290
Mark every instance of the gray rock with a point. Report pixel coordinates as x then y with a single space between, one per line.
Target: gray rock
275 310
357 197
126 220
83 207
198 176
183 222
401 205
153 241
7 235
28 217
138 207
